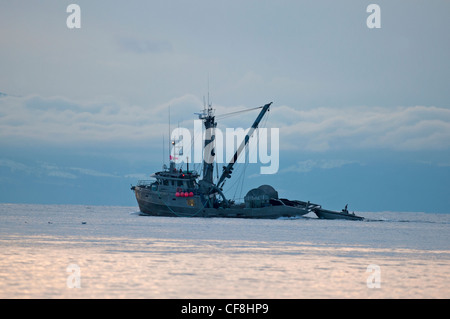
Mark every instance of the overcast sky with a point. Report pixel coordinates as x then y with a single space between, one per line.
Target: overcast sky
370 107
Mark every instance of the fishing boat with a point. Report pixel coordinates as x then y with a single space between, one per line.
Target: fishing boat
179 192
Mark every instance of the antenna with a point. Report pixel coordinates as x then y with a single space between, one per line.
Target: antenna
169 137
209 105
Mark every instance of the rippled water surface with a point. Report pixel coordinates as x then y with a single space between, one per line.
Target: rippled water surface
69 251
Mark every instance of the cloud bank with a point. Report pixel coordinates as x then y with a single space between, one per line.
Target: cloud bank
58 120
309 165
41 169
413 128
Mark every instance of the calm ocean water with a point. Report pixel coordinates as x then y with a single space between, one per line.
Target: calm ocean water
70 251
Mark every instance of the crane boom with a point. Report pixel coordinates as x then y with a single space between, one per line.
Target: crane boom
228 169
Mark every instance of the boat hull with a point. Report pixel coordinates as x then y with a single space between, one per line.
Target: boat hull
158 204
328 214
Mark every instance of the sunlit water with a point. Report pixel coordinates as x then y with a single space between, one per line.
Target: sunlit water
120 254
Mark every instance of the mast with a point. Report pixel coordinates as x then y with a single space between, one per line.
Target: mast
209 152
170 138
227 170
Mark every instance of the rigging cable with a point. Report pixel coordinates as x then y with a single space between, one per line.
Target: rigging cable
225 115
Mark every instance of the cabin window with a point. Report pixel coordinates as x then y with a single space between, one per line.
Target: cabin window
166 182
180 183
